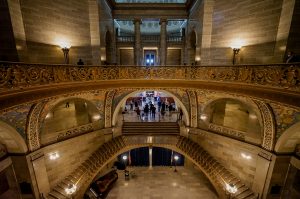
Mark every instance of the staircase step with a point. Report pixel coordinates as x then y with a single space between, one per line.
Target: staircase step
244 195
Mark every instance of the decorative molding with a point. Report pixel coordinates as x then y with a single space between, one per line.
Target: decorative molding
75 131
108 107
32 130
194 108
226 131
269 131
20 75
265 155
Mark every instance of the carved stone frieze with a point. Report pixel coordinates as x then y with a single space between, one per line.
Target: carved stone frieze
19 75
75 131
226 131
193 108
108 107
32 130
269 131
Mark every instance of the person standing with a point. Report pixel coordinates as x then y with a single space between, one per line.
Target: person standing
291 57
180 114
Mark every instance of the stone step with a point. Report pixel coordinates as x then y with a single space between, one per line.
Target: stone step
245 194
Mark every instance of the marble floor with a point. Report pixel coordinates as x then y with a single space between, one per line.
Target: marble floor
162 183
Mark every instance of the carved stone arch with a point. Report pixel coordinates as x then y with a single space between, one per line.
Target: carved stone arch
249 102
51 103
194 108
241 135
117 108
108 107
32 127
12 140
269 130
214 170
288 140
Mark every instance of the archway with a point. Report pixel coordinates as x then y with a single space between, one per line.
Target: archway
218 175
69 114
121 104
12 140
289 139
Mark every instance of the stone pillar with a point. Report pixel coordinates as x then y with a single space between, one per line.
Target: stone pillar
137 42
163 42
150 157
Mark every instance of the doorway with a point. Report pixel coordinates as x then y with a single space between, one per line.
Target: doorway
149 57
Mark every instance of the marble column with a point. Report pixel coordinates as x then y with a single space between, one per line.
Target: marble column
137 42
163 42
150 157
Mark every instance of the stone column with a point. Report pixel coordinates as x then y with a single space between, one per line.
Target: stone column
137 42
150 157
163 42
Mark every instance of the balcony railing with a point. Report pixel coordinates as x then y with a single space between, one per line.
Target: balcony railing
150 39
20 75
125 39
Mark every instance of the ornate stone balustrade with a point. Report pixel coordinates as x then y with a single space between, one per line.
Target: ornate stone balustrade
20 75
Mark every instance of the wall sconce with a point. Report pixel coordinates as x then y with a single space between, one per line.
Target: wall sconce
66 48
245 156
235 52
236 47
203 117
53 156
70 190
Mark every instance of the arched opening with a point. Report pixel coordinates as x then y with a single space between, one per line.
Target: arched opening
193 44
69 114
288 141
108 47
167 107
162 175
11 139
234 114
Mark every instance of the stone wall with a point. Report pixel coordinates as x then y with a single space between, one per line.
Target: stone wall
254 23
229 153
173 56
8 49
126 56
49 24
72 153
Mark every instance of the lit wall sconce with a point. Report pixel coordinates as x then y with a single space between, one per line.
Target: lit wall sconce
203 117
235 52
70 190
96 117
53 156
236 47
245 156
66 48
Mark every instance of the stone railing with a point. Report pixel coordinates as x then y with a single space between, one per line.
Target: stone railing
20 75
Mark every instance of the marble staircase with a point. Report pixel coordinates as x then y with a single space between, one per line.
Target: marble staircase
150 128
83 175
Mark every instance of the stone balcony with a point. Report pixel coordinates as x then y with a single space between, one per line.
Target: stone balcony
277 82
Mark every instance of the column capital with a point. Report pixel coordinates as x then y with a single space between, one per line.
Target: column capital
137 20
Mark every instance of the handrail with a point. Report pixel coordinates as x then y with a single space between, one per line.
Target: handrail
20 75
